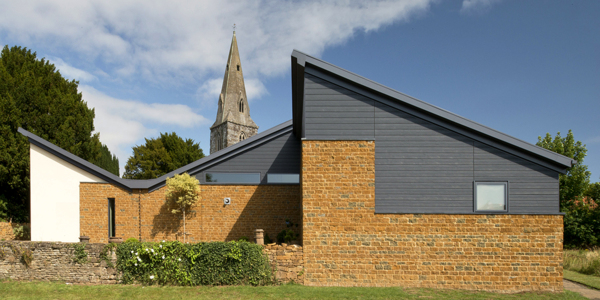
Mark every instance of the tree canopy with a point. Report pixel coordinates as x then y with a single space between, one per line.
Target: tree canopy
35 96
576 181
160 156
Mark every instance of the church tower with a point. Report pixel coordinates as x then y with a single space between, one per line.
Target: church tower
233 122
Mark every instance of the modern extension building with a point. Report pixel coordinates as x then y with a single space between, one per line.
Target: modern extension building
389 190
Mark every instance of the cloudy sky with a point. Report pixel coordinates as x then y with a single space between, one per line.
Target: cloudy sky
522 67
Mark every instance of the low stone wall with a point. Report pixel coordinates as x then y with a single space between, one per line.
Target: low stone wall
54 262
287 262
6 230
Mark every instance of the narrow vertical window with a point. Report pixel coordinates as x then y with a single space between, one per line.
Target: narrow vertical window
238 67
242 136
111 217
242 105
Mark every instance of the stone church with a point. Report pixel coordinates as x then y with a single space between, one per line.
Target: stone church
233 123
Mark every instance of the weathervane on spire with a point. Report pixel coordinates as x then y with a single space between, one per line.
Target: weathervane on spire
233 27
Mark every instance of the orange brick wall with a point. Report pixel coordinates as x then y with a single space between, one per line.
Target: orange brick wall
148 215
7 230
347 244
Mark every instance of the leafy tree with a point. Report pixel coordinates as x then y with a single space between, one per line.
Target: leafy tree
575 182
160 156
33 95
593 191
107 161
182 190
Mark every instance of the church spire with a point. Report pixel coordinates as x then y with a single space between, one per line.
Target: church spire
233 105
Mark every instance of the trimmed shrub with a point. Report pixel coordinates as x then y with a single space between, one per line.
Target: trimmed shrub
175 263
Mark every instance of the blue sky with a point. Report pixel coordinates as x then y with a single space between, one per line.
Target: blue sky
522 67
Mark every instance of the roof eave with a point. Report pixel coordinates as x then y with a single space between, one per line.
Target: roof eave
303 60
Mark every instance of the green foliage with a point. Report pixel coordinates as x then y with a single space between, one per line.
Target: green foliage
3 209
583 261
160 156
243 239
33 95
131 240
581 224
593 191
577 179
80 256
107 161
22 232
109 248
182 190
268 240
175 263
287 235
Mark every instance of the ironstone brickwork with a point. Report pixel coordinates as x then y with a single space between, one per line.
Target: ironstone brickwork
347 244
147 216
286 262
54 262
7 230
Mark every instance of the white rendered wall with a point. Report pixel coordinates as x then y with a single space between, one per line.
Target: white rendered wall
55 197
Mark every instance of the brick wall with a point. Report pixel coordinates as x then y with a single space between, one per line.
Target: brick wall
7 230
286 262
148 215
54 261
347 244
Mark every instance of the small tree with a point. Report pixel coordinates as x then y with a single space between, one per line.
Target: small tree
182 190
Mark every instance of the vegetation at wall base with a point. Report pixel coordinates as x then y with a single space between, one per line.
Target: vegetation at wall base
210 263
587 280
56 290
586 262
80 256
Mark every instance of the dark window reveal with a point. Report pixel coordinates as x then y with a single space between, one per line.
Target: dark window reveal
242 178
111 217
283 178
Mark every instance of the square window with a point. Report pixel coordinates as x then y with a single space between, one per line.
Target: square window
491 196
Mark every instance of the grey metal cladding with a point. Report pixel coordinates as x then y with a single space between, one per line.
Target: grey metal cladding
280 155
283 160
422 167
303 63
335 113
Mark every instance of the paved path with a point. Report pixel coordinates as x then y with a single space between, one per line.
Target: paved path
581 289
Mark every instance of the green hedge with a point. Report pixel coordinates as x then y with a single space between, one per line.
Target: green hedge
175 263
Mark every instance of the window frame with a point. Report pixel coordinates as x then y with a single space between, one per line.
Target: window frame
285 183
506 197
112 210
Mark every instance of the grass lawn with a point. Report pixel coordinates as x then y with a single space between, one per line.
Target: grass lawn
589 280
46 290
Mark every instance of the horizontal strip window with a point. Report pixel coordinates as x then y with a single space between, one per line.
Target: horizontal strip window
283 178
491 196
241 178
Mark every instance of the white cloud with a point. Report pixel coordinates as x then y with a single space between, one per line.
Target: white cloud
71 72
477 6
171 43
123 123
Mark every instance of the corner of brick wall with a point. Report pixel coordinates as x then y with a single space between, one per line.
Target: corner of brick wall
287 262
53 261
7 230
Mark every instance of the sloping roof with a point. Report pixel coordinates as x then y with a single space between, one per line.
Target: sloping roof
300 61
153 184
